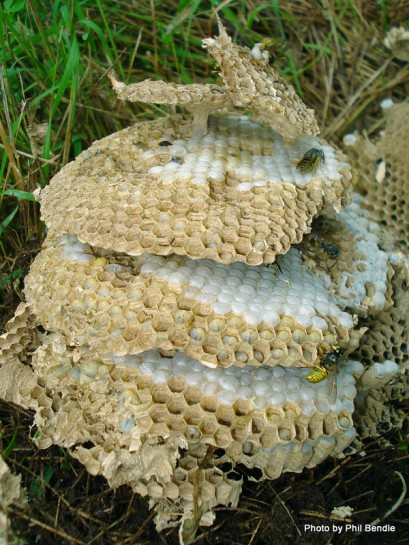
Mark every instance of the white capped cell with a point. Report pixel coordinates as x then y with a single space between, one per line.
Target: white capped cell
262 388
228 397
261 402
322 405
161 376
246 379
348 406
246 392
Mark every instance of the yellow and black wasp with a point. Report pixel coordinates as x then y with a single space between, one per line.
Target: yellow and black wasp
276 48
329 248
327 368
310 161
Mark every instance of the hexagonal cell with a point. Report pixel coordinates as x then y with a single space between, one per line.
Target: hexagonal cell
229 235
197 334
188 463
240 432
176 423
230 338
315 427
212 344
285 434
159 414
144 382
217 325
291 411
243 246
344 421
243 354
210 403
144 423
195 247
162 321
168 304
178 337
266 333
275 416
171 491
225 415
192 433
182 316
186 491
177 384
301 429
248 334
225 357
330 425
223 438
194 415
176 404
242 406
210 240
152 298
250 449
160 393
234 323
209 425
193 395
226 252
207 491
155 490
269 438
145 338
258 423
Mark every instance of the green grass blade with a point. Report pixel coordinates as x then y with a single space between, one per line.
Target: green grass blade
19 194
4 224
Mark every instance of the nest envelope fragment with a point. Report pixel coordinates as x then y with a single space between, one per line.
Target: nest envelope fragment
258 86
384 175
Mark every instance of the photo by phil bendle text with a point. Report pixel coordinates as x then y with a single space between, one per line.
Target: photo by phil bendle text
339 528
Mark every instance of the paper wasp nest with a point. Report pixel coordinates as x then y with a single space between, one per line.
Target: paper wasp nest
169 339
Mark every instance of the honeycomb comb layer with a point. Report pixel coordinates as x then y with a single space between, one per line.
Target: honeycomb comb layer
221 315
270 418
232 195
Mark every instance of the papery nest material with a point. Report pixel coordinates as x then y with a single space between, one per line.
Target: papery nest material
248 84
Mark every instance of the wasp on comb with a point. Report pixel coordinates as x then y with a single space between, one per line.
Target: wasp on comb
327 368
329 248
276 49
310 161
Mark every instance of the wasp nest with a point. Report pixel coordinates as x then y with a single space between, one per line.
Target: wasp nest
173 345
